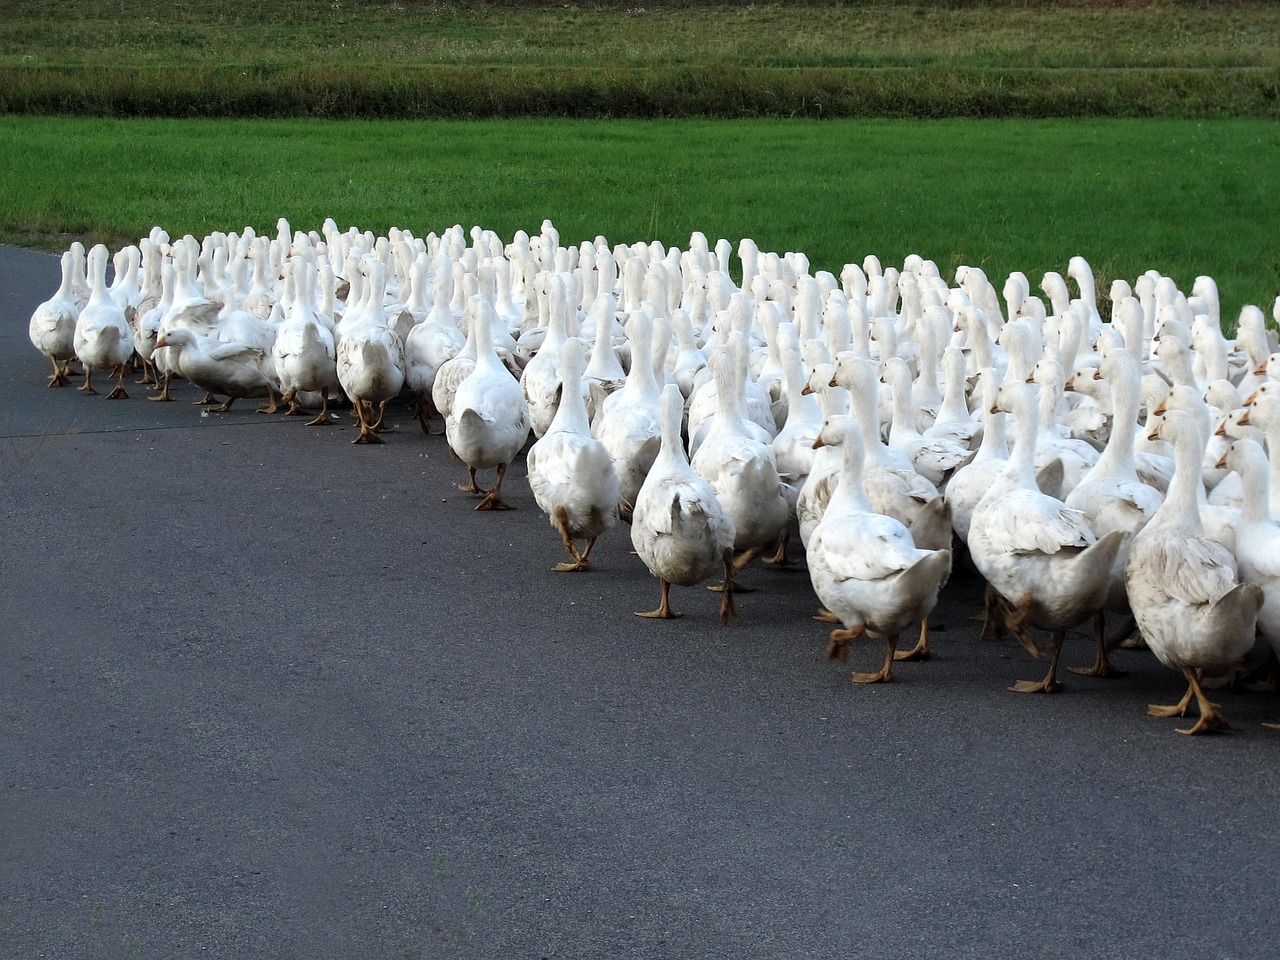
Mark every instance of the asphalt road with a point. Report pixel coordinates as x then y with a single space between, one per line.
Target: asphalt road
267 694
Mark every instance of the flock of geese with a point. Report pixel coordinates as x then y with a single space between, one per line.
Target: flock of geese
1084 464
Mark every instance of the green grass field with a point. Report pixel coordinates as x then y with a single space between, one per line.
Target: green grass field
1182 197
1188 190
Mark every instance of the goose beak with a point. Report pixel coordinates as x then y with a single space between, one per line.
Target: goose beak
1097 374
1155 433
1159 411
995 408
1070 384
162 342
1261 371
1222 429
1031 379
807 391
1244 418
1251 398
818 443
833 383
1222 461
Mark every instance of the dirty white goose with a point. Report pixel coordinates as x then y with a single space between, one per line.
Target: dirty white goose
488 421
678 527
1192 608
864 566
570 472
53 326
103 337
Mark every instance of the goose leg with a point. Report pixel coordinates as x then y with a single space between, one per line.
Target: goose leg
825 616
1015 621
885 673
1101 666
745 557
731 581
295 409
163 395
59 378
225 406
839 640
1178 709
148 377
1211 721
425 409
1050 682
207 400
493 499
780 558
322 420
271 406
994 610
579 559
664 611
118 392
366 432
382 412
471 486
728 612
86 387
921 650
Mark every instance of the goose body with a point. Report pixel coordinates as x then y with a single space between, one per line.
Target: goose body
488 422
103 337
304 352
1037 553
864 566
629 424
1258 539
53 325
678 527
1192 608
570 473
740 468
233 370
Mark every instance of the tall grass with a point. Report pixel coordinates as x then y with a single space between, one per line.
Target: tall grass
341 58
464 92
1182 197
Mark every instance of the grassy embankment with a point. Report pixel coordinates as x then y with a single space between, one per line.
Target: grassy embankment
640 58
1182 197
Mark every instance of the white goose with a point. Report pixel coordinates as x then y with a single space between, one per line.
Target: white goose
677 526
370 356
1111 495
1258 539
53 326
570 472
231 369
1037 554
740 468
488 422
628 423
304 352
103 338
1189 603
933 458
430 344
864 566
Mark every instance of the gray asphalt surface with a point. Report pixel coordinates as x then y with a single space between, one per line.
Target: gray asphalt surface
267 694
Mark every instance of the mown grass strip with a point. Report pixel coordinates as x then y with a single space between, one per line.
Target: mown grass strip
1181 197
